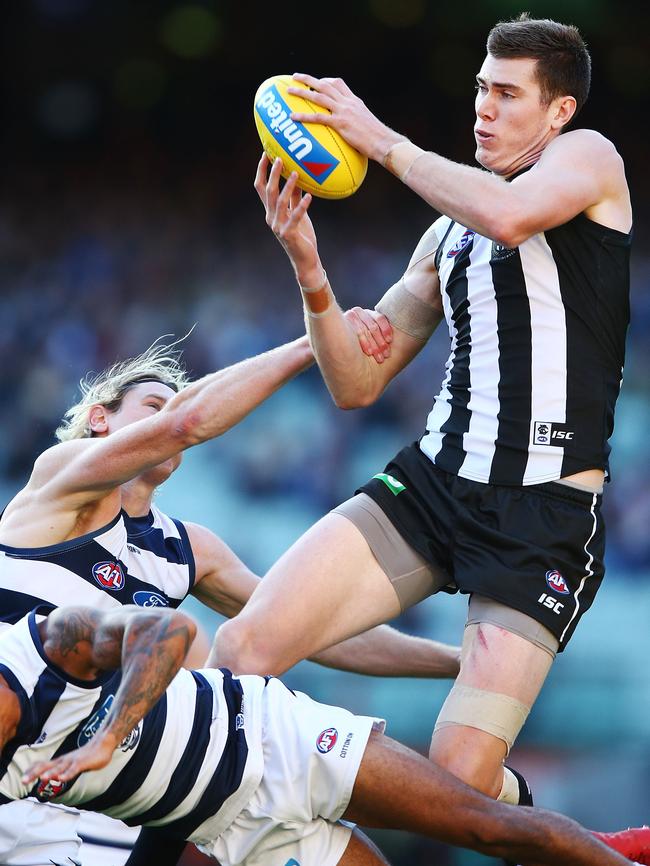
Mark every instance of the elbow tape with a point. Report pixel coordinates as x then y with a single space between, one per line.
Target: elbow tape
408 313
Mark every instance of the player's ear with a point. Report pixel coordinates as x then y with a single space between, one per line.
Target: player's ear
98 419
564 109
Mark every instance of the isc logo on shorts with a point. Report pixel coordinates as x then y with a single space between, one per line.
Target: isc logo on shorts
109 575
327 740
556 582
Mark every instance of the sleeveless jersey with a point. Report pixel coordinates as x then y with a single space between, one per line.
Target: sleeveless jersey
537 351
191 764
134 560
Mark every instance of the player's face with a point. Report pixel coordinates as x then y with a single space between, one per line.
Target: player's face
144 401
513 124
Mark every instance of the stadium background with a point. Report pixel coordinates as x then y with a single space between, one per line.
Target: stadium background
127 211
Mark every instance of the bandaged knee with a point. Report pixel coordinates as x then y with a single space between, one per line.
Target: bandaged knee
494 713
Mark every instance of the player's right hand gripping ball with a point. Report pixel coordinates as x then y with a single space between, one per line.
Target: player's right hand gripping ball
326 164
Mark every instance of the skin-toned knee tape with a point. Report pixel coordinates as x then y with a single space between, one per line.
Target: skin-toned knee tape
494 713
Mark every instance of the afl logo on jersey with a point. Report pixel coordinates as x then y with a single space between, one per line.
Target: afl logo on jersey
461 244
327 740
149 599
109 575
556 582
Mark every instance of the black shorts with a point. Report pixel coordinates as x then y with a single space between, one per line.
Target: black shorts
536 549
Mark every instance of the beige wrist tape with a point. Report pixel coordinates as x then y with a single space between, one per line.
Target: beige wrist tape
408 313
401 156
494 713
317 301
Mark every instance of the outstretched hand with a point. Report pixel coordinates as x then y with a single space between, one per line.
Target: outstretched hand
349 115
93 756
287 217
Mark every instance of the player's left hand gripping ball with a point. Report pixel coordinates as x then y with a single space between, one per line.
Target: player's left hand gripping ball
326 164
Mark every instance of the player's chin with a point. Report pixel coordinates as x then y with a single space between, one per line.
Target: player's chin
490 161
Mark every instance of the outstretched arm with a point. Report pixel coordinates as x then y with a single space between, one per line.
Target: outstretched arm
577 172
85 469
385 652
149 646
353 377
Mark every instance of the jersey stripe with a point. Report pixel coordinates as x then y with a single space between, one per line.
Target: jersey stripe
184 776
227 777
478 441
451 454
132 775
514 336
548 356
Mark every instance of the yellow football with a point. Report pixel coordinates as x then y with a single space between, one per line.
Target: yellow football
326 164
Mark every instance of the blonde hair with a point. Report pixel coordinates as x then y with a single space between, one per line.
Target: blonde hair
161 362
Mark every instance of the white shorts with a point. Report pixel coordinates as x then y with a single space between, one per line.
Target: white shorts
105 841
38 834
312 754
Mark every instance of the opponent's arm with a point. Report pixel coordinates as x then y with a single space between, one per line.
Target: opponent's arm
578 172
353 378
149 646
86 469
385 652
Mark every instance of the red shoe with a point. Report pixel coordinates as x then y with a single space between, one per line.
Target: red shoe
633 843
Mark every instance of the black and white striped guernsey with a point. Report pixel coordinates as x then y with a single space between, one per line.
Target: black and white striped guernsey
191 764
537 351
134 560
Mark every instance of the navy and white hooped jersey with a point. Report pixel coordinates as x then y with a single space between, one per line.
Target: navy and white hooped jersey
191 764
134 560
537 351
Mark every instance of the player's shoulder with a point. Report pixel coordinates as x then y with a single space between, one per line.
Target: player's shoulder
430 240
585 145
203 541
56 458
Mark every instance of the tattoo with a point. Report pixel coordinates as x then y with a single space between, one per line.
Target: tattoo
152 655
66 631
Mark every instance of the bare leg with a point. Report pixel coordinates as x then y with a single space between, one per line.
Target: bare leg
396 788
498 661
327 587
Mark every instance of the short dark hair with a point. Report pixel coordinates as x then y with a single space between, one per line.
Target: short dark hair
563 61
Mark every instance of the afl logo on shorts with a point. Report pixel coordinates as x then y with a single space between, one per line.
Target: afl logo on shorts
144 598
461 244
556 582
327 740
109 575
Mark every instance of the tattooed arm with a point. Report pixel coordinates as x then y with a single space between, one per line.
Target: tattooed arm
149 646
